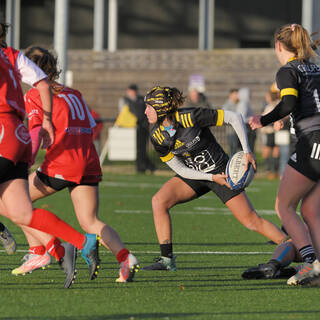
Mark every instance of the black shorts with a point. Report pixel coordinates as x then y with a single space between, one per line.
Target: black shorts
201 187
306 158
270 140
11 171
59 184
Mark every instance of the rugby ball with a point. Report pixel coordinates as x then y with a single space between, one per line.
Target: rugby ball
238 176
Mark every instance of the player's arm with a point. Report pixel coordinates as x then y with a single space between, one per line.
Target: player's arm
34 76
287 81
182 170
236 121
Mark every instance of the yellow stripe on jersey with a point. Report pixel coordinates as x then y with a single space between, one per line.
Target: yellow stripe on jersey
220 118
158 136
189 117
289 92
168 157
184 119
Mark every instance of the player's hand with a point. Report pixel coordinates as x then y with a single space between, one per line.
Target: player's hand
250 157
255 122
221 179
278 125
46 134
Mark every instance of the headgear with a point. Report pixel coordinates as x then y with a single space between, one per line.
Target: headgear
160 99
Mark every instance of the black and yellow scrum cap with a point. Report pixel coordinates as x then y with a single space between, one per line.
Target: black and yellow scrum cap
160 99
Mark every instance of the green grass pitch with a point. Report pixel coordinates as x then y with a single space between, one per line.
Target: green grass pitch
212 251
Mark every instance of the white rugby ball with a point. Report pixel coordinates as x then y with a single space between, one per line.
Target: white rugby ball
238 176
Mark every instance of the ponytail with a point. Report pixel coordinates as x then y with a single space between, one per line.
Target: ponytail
296 39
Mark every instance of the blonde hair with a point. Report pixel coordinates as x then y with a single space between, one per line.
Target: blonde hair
296 39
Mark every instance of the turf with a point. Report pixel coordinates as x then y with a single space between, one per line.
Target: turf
212 249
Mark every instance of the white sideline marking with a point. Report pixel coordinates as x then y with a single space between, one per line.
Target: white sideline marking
197 210
147 185
184 252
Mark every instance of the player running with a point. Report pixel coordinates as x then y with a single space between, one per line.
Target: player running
183 139
299 82
70 162
15 150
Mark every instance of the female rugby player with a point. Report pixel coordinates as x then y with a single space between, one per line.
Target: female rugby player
183 139
299 82
15 150
70 162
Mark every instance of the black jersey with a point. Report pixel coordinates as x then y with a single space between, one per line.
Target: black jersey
302 79
193 142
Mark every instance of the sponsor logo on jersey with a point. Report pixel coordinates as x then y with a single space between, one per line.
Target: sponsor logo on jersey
32 113
193 142
309 69
22 134
78 130
178 144
294 157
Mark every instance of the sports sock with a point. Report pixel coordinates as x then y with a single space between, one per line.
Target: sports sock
166 250
307 254
48 222
55 249
122 255
40 250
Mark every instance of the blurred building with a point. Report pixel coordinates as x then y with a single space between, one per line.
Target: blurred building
162 24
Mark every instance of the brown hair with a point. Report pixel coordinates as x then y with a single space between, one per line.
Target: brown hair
3 33
44 59
177 101
296 39
165 101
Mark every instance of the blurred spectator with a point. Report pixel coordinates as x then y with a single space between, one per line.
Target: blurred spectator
196 99
231 104
136 106
270 151
245 109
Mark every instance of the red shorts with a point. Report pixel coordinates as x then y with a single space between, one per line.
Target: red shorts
15 141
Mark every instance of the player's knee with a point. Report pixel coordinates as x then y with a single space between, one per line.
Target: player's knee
87 225
253 223
309 213
159 202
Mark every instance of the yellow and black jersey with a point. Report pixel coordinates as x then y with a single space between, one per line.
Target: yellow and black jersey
302 80
192 141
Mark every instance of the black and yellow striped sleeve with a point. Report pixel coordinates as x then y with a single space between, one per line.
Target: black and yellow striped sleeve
208 117
185 119
167 157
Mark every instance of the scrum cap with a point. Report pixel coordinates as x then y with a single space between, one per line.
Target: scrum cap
160 99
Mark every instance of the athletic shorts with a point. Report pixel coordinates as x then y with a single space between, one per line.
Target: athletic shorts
59 184
15 141
10 171
306 158
269 140
201 187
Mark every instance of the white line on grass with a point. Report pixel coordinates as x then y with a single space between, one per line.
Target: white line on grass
146 185
184 252
197 210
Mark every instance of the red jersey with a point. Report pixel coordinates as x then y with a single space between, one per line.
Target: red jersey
72 156
11 96
14 138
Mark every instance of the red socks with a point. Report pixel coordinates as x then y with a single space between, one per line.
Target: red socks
48 222
40 250
122 255
55 249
